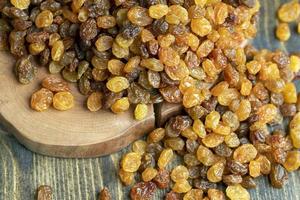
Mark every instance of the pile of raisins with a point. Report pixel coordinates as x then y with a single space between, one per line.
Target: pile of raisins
123 53
218 148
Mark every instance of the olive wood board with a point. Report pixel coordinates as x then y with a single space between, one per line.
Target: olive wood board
73 133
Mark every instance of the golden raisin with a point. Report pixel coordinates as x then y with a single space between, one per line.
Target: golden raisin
177 14
149 173
139 146
215 194
227 96
193 194
156 135
141 111
254 168
166 40
246 87
295 63
205 48
21 4
290 93
179 173
146 35
253 67
119 51
265 164
63 101
127 178
201 26
244 110
222 129
292 161
158 11
41 100
221 12
57 50
152 64
120 105
182 186
212 120
192 97
245 153
215 172
212 140
139 16
106 22
169 56
186 83
117 84
289 11
237 192
123 42
269 72
77 4
131 162
36 48
177 72
165 157
55 84
283 32
115 67
232 140
266 113
199 128
133 63
44 19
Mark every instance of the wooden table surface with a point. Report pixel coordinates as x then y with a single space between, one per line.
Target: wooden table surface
22 171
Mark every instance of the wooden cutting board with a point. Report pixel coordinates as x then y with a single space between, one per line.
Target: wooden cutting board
73 133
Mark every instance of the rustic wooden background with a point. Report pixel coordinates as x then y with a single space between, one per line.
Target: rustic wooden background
22 171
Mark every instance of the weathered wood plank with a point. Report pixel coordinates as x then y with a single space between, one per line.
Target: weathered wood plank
22 171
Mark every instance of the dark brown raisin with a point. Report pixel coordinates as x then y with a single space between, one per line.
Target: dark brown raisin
154 149
88 29
44 192
204 184
137 94
194 172
148 160
45 56
20 24
281 59
223 150
248 182
171 94
172 196
160 27
191 145
288 110
130 31
105 194
143 190
232 179
278 176
236 167
25 70
162 179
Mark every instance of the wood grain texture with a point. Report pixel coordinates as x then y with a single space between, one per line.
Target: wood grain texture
22 171
74 133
